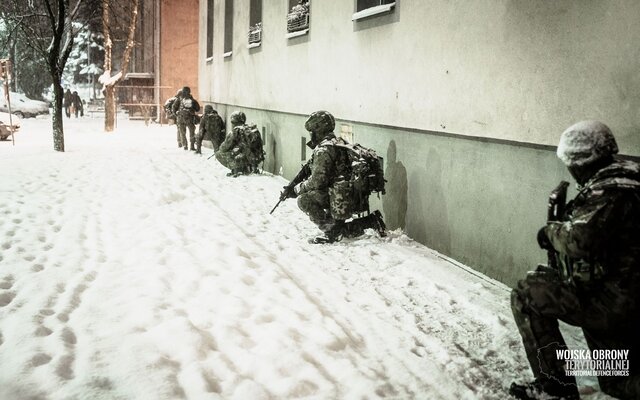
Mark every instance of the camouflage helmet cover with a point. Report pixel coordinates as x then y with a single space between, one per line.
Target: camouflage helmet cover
585 143
320 122
238 117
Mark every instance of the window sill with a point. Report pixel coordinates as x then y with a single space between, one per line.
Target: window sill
296 33
227 54
254 45
369 12
209 59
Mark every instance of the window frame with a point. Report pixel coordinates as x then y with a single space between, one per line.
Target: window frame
385 6
228 28
305 27
210 21
255 19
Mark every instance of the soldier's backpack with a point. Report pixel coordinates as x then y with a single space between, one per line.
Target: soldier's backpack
254 141
351 196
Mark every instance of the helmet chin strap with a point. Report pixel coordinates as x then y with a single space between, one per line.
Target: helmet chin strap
582 173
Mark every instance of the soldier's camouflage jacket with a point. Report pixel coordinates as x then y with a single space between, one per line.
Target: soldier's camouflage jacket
328 164
212 125
185 108
599 233
168 107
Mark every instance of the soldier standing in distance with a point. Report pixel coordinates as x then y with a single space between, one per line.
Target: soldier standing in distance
598 242
212 125
185 109
233 152
78 107
168 109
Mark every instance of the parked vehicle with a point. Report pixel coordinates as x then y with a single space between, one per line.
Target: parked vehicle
5 132
22 106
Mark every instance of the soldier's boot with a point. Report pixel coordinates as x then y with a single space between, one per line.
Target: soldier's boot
354 229
198 148
373 221
378 223
547 389
192 147
179 144
333 232
234 173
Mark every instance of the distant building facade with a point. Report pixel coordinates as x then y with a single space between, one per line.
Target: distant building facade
165 56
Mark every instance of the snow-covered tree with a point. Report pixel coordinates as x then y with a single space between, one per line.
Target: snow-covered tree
86 58
125 25
46 26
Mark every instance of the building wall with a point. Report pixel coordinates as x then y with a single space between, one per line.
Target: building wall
466 101
179 31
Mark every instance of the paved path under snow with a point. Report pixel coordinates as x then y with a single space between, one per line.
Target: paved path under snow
130 269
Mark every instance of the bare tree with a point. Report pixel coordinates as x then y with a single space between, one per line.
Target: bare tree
46 26
108 80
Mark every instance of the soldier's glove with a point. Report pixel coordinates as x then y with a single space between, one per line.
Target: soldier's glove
543 239
288 192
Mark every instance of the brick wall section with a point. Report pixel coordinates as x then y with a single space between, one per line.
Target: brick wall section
178 46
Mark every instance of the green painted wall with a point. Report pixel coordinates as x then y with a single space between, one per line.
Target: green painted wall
480 202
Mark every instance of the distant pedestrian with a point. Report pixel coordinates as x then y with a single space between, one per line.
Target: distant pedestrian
67 102
78 107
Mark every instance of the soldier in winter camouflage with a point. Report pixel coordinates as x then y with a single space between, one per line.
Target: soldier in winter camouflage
185 109
233 152
211 127
598 242
329 165
168 109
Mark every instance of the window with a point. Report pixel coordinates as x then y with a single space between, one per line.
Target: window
255 23
367 8
209 28
228 27
298 18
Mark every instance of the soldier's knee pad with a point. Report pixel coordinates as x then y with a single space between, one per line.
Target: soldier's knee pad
302 201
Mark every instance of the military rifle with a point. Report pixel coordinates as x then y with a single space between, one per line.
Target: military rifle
555 213
304 173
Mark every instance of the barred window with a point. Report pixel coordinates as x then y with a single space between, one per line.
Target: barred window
255 23
298 17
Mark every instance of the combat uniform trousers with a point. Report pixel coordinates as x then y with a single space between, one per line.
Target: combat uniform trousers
180 144
315 203
234 159
184 122
605 315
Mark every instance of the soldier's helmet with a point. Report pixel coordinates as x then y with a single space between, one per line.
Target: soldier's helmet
208 109
320 122
238 117
585 143
179 92
186 90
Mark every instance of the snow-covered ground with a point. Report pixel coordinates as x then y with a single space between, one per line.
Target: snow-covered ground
131 269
